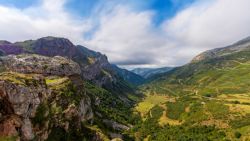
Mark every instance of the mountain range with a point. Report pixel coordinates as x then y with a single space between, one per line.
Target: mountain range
150 72
51 89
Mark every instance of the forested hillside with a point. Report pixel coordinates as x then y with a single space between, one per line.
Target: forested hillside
207 99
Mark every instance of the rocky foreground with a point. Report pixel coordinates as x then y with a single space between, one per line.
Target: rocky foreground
45 98
25 95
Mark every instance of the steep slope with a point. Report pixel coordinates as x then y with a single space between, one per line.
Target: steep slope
94 66
150 72
242 45
44 98
129 76
207 99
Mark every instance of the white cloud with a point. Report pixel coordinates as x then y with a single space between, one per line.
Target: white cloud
34 22
129 37
207 25
126 35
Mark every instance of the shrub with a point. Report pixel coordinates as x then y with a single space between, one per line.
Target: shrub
208 95
237 134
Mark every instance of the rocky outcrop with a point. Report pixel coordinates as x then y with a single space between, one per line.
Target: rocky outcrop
94 65
20 95
85 111
58 93
9 125
22 99
242 45
114 125
30 106
41 65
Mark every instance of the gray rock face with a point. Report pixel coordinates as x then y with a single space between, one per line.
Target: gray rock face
41 65
115 125
94 66
24 100
23 89
51 46
85 110
27 133
242 45
47 92
98 70
19 100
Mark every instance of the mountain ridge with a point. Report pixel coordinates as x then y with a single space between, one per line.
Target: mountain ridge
51 89
209 95
150 72
76 94
235 47
95 66
129 76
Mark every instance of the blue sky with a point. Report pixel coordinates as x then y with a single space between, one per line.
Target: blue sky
18 3
163 9
84 8
132 33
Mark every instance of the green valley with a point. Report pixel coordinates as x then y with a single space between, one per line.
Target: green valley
78 95
124 70
208 99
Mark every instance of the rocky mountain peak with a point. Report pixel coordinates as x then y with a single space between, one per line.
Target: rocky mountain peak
52 46
94 66
241 45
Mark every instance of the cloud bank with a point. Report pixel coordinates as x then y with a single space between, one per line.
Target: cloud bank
129 37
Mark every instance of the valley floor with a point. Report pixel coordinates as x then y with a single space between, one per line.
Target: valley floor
166 115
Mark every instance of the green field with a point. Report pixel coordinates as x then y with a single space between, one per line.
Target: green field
149 102
209 104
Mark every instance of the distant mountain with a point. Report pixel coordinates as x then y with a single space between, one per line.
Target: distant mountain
214 60
209 95
242 45
149 72
129 76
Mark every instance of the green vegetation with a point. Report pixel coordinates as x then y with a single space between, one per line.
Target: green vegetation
149 102
41 116
184 133
27 45
203 100
210 101
110 106
174 110
8 138
241 122
53 81
18 78
237 134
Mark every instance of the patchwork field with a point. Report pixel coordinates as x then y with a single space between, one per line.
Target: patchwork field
226 113
149 102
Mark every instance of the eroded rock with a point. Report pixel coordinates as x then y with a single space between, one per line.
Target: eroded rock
115 125
37 64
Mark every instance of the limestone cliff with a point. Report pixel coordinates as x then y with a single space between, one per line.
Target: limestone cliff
45 98
38 95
